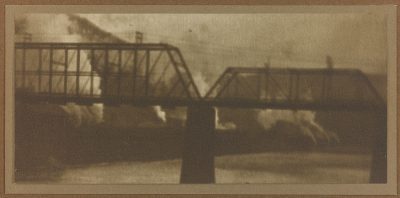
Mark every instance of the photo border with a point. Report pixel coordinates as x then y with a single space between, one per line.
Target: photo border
194 189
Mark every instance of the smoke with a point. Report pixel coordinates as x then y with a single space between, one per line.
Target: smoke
84 115
73 28
57 28
201 83
91 32
304 120
223 125
160 113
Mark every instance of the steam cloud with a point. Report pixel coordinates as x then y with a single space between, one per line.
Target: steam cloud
56 28
305 120
73 28
201 83
223 125
160 113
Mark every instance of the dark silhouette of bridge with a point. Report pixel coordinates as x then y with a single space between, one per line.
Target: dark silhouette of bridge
157 74
144 74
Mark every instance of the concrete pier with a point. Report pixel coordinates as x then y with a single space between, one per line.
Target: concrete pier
198 151
379 156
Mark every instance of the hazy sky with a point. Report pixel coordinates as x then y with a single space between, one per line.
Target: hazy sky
289 40
212 42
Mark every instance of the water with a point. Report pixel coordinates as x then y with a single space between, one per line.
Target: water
268 167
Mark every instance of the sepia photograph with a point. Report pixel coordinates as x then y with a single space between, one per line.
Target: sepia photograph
230 97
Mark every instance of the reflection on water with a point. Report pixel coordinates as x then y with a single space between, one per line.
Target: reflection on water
275 167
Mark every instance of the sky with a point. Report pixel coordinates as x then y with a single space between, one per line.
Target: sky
212 42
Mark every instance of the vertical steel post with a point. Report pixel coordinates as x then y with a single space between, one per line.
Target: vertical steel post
40 71
66 73
23 66
51 71
119 72
105 74
146 84
135 62
91 70
78 65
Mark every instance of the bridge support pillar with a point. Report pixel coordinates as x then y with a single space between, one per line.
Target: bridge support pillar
379 157
198 152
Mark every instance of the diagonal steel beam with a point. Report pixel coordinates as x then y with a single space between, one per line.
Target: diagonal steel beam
175 65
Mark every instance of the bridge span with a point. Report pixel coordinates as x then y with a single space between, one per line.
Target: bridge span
146 74
157 74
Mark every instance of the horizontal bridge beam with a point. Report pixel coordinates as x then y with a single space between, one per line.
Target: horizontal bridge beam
168 101
96 46
257 70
